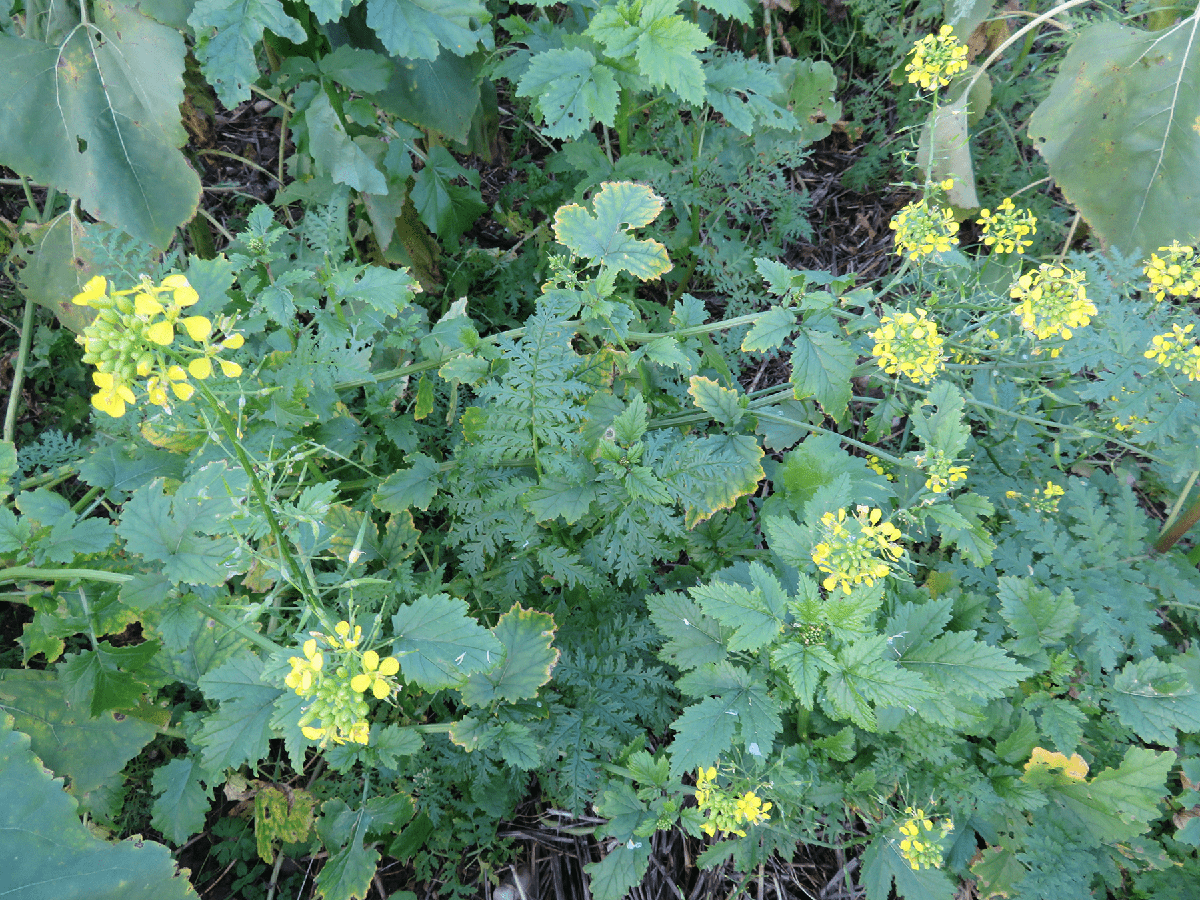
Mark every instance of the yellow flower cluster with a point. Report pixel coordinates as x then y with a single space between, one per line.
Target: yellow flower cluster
942 471
875 464
1044 500
937 58
335 675
909 344
922 230
130 337
1007 229
856 551
918 845
1177 272
727 811
1177 350
1052 301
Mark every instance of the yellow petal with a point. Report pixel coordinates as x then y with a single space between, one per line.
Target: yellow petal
389 667
146 305
200 368
184 293
103 380
176 373
96 288
234 341
161 333
182 390
342 628
370 661
360 682
230 369
313 734
380 689
198 327
109 402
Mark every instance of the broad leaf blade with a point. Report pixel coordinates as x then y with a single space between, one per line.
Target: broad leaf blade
98 118
1128 101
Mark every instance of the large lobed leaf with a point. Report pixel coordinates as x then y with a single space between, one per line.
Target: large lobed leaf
97 116
604 238
47 853
1127 101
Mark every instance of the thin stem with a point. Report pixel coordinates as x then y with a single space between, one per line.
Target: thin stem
14 394
1178 505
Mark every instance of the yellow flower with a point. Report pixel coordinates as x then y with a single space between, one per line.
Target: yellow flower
95 289
937 59
919 847
1052 302
1177 272
200 368
197 327
1007 228
1177 350
909 344
922 230
856 551
113 394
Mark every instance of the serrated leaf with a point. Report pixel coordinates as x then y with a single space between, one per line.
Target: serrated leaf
864 679
446 207
1127 101
527 638
239 731
347 874
821 367
1036 616
97 116
571 91
961 666
439 644
702 733
418 29
756 617
1118 804
736 697
107 677
228 33
517 746
415 486
770 330
693 639
179 535
181 799
44 836
663 43
1155 700
89 751
555 497
725 406
741 90
621 870
803 666
604 238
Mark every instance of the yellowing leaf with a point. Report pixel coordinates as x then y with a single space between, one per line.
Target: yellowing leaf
604 238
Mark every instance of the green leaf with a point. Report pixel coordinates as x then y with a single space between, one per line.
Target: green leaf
571 91
961 666
239 731
621 870
756 617
348 872
49 854
741 90
227 36
1037 618
663 43
406 488
446 207
692 638
8 465
181 799
183 533
108 677
364 71
335 153
724 405
439 644
1154 699
812 86
943 429
864 679
97 117
803 666
418 29
440 95
821 367
604 238
527 637
1118 804
736 698
88 751
770 330
394 742
1127 101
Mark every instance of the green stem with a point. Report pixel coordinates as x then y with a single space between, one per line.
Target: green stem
14 394
14 574
1182 525
240 627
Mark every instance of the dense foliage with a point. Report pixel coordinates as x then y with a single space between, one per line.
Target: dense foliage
383 533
